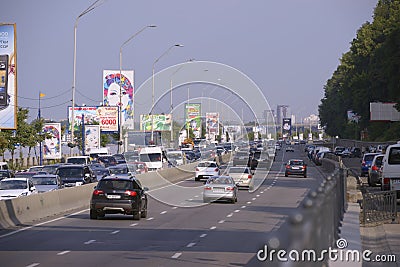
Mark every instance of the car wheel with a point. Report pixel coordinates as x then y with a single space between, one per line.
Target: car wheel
137 215
286 175
233 200
93 215
305 175
196 179
144 212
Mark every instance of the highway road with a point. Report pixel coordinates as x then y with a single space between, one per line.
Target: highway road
217 234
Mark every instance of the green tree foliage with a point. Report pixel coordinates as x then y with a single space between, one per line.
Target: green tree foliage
368 72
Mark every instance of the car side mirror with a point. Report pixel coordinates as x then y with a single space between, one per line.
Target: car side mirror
145 188
33 188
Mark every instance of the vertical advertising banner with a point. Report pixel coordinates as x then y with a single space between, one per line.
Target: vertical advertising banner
52 142
8 77
118 90
92 137
160 122
193 118
287 126
212 123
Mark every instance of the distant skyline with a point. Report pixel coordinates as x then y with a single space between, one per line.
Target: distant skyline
289 48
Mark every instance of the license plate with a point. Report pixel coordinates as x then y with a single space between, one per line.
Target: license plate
219 190
113 196
395 184
296 168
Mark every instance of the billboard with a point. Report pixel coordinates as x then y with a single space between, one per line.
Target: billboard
106 117
286 126
52 142
193 118
212 123
384 112
92 137
8 76
161 122
118 90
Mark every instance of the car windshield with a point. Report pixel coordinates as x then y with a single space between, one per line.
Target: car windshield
174 155
70 172
13 184
242 154
50 169
44 181
151 157
219 180
77 160
394 156
117 185
238 170
369 157
121 170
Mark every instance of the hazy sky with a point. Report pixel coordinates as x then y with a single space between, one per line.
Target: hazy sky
289 48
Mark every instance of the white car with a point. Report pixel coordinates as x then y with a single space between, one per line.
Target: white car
16 187
206 169
241 175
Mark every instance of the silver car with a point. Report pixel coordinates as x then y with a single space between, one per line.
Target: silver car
220 188
241 175
47 182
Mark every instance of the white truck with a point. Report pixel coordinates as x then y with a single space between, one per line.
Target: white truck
391 169
152 156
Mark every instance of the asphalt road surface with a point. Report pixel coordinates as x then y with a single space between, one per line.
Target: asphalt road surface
217 234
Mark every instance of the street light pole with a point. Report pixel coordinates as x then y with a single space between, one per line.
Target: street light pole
152 94
120 143
97 3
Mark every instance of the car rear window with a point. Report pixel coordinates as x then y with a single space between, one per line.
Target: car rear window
207 164
369 157
296 162
117 184
220 180
238 170
394 156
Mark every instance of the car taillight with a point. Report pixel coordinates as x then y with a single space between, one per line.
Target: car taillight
386 180
249 176
216 169
374 168
207 188
287 166
230 188
197 169
131 193
98 192
363 163
304 167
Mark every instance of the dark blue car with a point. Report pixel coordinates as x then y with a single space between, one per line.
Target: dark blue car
366 162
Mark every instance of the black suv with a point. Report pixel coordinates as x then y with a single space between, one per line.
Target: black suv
76 174
114 195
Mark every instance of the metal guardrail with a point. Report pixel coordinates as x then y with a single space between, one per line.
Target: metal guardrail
315 224
378 207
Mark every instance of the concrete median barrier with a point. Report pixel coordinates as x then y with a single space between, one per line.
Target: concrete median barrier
24 210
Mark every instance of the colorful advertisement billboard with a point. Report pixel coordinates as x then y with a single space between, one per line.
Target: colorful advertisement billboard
118 90
8 77
106 117
52 142
160 122
193 118
92 137
212 123
286 126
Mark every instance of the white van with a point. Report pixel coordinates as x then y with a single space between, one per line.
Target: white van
152 156
391 168
79 160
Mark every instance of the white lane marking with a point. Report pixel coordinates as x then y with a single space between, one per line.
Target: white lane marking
134 224
89 242
163 212
236 210
213 227
229 215
33 264
242 207
151 218
176 255
253 198
191 199
221 221
63 252
248 202
190 245
39 224
174 208
196 196
257 195
203 235
115 232
262 192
